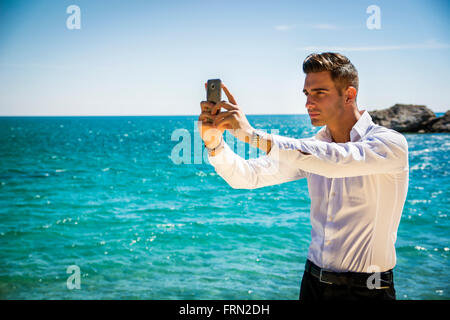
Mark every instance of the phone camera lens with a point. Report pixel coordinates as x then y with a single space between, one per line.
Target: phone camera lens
213 86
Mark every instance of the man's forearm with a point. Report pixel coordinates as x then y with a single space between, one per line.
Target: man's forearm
264 144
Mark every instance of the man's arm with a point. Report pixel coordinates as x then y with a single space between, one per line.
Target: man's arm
253 173
236 171
265 144
385 151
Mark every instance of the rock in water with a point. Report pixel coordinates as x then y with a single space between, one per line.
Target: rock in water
410 118
442 124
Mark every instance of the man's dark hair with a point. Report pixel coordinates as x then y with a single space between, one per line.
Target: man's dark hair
343 72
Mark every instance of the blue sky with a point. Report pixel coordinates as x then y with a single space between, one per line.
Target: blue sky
152 57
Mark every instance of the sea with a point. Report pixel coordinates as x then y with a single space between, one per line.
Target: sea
129 208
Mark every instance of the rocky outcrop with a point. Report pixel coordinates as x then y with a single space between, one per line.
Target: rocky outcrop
411 118
442 124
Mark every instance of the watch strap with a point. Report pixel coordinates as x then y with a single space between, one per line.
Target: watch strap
211 150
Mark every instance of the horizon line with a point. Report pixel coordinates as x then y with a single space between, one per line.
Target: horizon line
158 115
169 115
144 115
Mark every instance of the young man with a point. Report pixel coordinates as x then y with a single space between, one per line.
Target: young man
357 176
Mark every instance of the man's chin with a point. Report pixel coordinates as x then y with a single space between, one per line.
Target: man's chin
317 123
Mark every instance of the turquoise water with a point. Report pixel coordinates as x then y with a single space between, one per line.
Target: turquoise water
103 193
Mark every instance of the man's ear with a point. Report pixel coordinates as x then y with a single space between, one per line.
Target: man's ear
350 94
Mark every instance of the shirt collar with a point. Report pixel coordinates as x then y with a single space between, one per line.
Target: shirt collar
358 131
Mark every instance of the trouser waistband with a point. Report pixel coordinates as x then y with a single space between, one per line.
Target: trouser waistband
378 280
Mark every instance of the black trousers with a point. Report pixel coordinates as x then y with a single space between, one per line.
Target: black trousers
313 290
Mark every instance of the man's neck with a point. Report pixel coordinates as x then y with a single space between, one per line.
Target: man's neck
340 132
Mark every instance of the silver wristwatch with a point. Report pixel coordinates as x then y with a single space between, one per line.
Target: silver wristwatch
257 135
210 150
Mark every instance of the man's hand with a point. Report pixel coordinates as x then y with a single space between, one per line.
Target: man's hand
212 125
208 132
233 119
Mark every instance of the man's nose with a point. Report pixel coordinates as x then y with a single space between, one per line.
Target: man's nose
309 104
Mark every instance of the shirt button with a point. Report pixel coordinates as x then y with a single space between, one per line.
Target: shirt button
329 218
333 194
327 243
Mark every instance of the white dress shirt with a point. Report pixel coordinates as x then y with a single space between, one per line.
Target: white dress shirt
357 190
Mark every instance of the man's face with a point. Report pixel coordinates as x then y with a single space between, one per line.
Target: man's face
323 102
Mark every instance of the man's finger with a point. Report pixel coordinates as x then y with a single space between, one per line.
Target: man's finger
206 106
206 116
228 94
222 116
222 104
226 123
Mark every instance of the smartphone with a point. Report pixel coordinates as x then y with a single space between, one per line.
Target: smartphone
214 90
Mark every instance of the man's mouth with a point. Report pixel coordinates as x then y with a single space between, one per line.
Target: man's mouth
313 114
